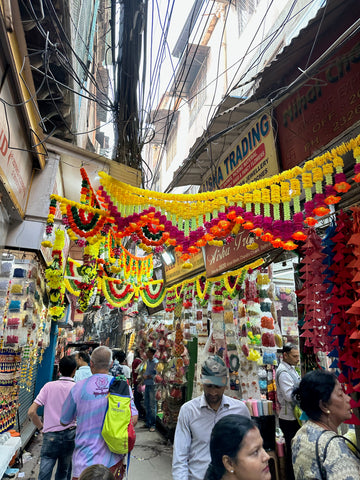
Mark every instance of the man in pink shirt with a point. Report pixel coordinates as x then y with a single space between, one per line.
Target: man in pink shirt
58 440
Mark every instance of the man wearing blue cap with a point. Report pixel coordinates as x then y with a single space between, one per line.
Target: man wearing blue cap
191 453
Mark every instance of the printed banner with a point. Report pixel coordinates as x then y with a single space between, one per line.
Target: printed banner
250 158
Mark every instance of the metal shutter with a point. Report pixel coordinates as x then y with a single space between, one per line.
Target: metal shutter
26 393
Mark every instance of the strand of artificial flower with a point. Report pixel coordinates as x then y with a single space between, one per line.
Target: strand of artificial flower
112 184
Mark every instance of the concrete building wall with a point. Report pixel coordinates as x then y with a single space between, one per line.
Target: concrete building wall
234 58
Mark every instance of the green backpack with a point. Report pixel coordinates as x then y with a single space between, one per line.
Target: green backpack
118 430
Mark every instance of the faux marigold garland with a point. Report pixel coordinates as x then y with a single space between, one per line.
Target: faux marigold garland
233 289
203 290
153 293
54 277
192 221
203 286
269 208
88 272
88 196
80 220
119 293
135 269
116 292
72 285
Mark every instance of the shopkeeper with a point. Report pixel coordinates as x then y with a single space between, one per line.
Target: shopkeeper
287 379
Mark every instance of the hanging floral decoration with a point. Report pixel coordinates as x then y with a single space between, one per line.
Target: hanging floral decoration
232 283
88 273
135 269
188 296
54 278
269 209
88 196
98 298
203 290
217 296
71 272
170 302
119 293
203 287
188 222
116 292
153 293
84 220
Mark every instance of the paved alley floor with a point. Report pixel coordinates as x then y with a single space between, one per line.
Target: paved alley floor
150 458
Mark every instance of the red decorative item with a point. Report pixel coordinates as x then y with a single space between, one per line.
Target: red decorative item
314 296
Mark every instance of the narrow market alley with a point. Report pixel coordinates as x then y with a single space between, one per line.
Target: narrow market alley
150 458
180 209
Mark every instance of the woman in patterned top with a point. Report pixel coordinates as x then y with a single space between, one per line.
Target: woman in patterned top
322 398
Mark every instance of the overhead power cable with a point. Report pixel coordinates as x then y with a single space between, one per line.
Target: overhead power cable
273 102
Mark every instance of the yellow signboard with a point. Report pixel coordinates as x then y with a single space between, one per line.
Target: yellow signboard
175 273
250 158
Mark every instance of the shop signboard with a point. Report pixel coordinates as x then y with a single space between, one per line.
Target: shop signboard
235 254
327 106
15 160
251 157
176 273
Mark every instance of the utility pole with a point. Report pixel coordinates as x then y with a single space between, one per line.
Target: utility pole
131 25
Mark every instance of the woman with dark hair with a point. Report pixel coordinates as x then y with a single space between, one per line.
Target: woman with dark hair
316 450
236 449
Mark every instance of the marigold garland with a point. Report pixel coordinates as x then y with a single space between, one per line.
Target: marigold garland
177 215
153 293
116 292
55 279
269 208
71 283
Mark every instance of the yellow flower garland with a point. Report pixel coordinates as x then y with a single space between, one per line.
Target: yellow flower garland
191 206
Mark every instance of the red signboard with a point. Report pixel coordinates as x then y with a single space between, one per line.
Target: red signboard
221 259
328 105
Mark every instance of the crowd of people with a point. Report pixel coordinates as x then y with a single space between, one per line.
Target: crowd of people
215 437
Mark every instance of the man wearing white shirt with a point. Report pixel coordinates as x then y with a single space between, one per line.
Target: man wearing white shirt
287 379
191 452
83 371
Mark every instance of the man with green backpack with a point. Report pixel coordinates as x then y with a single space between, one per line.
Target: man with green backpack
88 403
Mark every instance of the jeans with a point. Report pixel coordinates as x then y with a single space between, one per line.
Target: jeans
137 400
57 446
150 405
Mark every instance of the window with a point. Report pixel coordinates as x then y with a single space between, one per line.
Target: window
171 145
198 93
245 10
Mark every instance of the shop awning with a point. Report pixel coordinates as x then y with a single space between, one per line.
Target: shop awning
192 60
198 162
